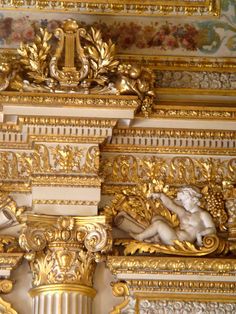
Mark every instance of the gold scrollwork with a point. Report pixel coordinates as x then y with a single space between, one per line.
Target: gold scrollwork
6 286
211 244
120 289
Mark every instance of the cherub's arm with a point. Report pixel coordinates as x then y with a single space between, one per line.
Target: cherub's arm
170 204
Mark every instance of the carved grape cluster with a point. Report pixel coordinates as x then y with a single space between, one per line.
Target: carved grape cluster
216 207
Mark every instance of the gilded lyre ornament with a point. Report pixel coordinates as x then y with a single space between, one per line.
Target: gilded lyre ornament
160 224
79 62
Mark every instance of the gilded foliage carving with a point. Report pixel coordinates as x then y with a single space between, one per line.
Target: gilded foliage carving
44 159
211 244
177 170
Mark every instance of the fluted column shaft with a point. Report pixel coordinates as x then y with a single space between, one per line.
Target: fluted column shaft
62 299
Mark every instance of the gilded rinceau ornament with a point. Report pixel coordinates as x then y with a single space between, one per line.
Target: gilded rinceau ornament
80 62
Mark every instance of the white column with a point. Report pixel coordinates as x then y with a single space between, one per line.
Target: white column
62 299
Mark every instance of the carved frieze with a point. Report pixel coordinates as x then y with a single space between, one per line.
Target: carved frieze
179 170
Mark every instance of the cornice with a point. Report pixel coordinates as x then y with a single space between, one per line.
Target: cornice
178 109
176 133
69 100
176 150
187 63
171 63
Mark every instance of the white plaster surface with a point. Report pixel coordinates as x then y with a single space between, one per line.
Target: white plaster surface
104 301
22 303
19 297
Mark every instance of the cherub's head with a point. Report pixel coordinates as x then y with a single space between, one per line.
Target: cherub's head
190 198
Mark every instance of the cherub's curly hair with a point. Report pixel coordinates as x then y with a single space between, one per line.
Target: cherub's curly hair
195 196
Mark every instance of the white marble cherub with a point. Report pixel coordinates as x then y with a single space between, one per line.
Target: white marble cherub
195 222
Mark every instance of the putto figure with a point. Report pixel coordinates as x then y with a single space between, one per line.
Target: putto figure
195 223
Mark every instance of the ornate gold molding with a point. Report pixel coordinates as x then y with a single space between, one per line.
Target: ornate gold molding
10 257
83 181
81 289
29 130
51 220
86 101
172 265
165 63
61 121
150 8
65 202
177 150
175 133
172 141
180 63
218 64
47 180
183 286
196 297
10 260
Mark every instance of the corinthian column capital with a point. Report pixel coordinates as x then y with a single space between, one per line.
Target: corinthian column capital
64 249
62 252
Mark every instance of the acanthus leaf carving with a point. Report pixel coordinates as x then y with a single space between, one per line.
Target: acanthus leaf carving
62 249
